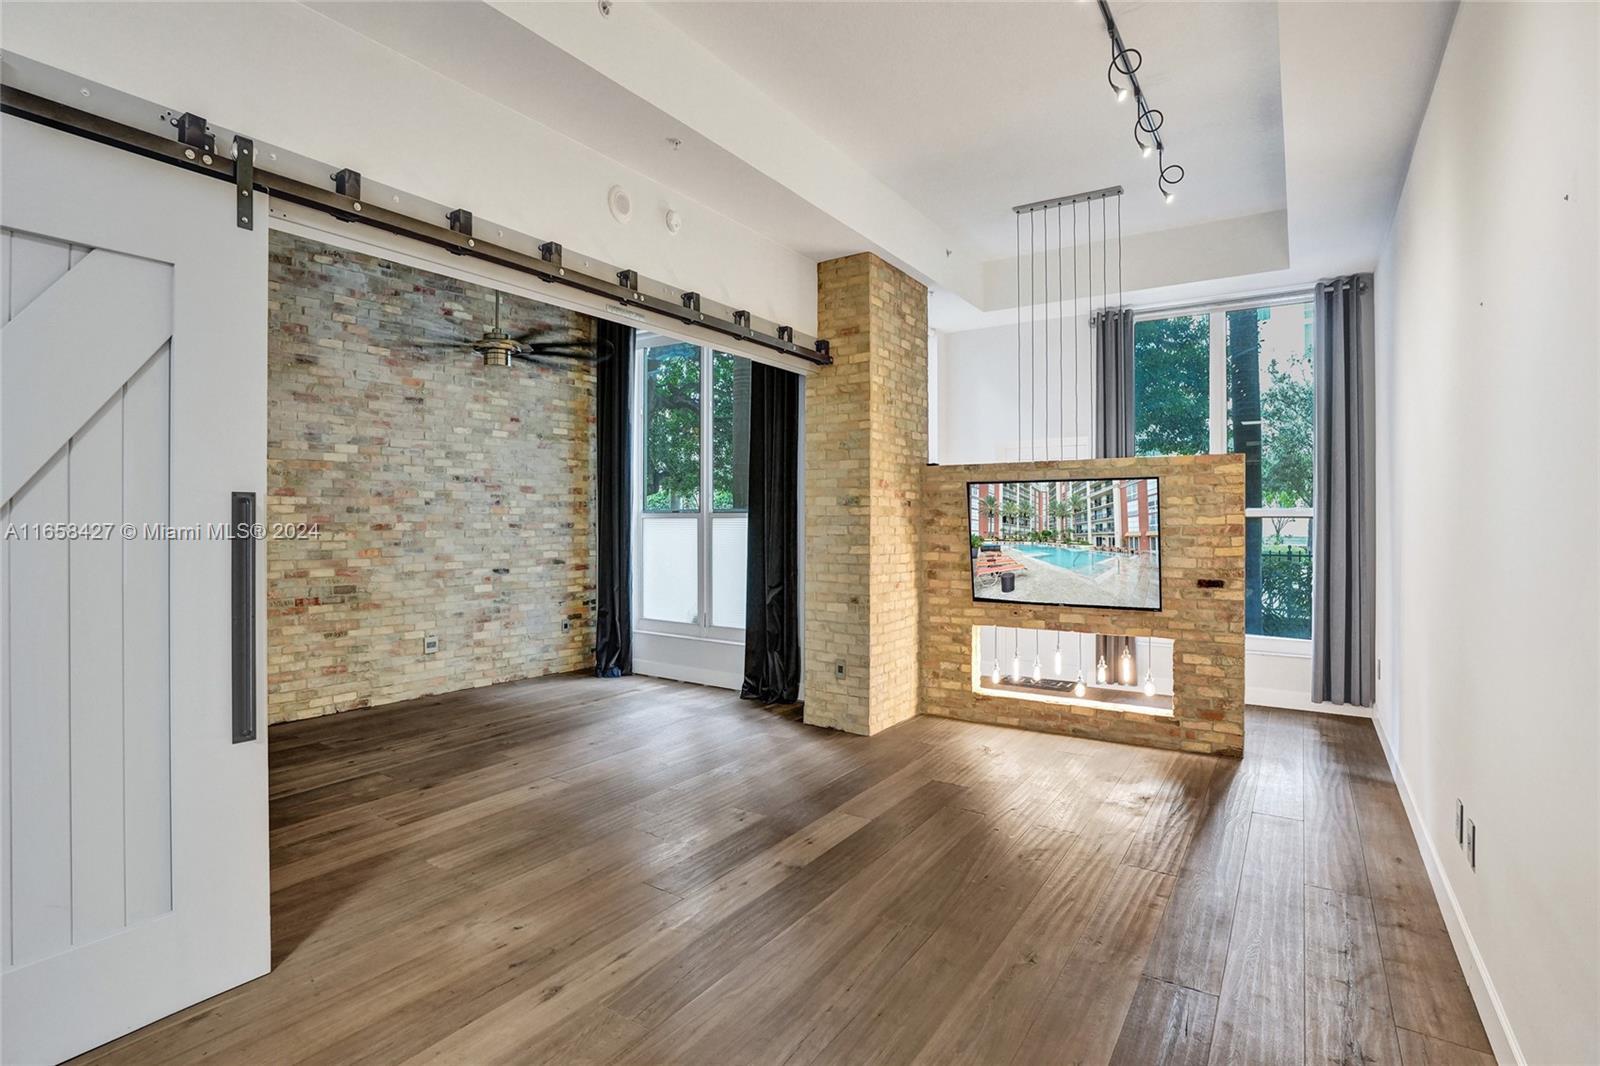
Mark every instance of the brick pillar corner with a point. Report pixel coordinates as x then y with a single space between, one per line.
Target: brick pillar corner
866 445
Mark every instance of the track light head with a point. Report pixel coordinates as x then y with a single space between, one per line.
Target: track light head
1147 150
1122 94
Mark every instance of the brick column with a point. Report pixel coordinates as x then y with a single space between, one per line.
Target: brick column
866 445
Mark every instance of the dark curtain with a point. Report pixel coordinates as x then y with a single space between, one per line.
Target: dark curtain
1113 435
1344 550
613 631
1113 383
772 574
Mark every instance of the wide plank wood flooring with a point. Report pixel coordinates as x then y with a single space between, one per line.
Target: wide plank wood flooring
585 871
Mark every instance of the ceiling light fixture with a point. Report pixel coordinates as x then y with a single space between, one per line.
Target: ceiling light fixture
1147 122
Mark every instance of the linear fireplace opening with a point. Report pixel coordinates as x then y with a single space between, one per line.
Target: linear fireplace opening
1096 670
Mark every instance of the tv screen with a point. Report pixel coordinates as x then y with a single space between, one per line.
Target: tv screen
1068 543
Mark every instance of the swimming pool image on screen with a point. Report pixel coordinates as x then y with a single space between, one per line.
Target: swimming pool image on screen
1068 542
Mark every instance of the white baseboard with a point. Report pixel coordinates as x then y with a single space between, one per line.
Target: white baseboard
1295 700
1287 699
692 674
1490 1009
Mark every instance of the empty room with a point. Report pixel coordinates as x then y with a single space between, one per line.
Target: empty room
801 533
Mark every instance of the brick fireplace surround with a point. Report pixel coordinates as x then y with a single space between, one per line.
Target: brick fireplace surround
889 616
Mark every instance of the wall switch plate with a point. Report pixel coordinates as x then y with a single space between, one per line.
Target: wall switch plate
1461 824
838 668
430 644
1472 845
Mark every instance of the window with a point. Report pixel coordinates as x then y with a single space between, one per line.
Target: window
1238 379
694 472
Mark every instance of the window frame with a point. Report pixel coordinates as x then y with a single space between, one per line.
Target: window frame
1217 410
701 628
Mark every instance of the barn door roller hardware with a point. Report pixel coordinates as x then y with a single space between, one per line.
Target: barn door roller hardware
194 149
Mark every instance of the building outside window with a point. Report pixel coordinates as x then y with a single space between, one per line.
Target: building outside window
1238 378
692 447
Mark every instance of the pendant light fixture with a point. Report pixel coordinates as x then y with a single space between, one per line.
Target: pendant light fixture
1038 669
1101 671
1125 665
1016 657
1057 668
1078 687
1038 427
1149 676
996 677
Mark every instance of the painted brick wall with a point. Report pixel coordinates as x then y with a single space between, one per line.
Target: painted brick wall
866 444
1202 536
453 498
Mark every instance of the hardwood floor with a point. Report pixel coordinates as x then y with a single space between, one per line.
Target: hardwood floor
575 871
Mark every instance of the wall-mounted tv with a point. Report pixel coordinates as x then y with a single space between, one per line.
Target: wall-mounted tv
1067 543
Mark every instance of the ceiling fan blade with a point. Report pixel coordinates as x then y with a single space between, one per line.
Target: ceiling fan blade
542 336
560 357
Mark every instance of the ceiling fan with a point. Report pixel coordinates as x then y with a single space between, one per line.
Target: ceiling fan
499 348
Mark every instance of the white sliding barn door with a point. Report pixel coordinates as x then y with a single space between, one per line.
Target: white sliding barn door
132 397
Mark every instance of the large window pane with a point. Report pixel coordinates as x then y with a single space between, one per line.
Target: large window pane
1171 386
1278 577
728 545
1269 402
672 427
670 568
730 433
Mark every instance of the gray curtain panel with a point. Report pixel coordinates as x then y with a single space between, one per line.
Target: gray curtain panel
1113 433
1344 553
1113 383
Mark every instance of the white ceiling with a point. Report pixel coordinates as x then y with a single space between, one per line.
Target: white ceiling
967 109
910 129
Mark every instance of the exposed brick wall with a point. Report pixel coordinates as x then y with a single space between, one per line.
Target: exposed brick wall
1202 536
866 444
429 475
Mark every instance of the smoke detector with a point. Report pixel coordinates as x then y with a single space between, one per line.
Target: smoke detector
605 8
674 220
620 202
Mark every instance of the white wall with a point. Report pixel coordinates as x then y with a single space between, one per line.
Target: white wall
1487 536
297 80
977 419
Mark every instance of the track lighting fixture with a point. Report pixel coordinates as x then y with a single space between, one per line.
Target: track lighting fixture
1123 77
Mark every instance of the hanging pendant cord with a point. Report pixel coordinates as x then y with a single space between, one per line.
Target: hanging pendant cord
1061 329
1119 252
1019 357
1044 436
1032 309
1076 376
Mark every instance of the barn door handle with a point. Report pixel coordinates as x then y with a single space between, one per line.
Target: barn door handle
242 543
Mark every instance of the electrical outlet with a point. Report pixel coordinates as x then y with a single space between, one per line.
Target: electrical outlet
1461 824
430 644
566 625
838 669
1472 845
